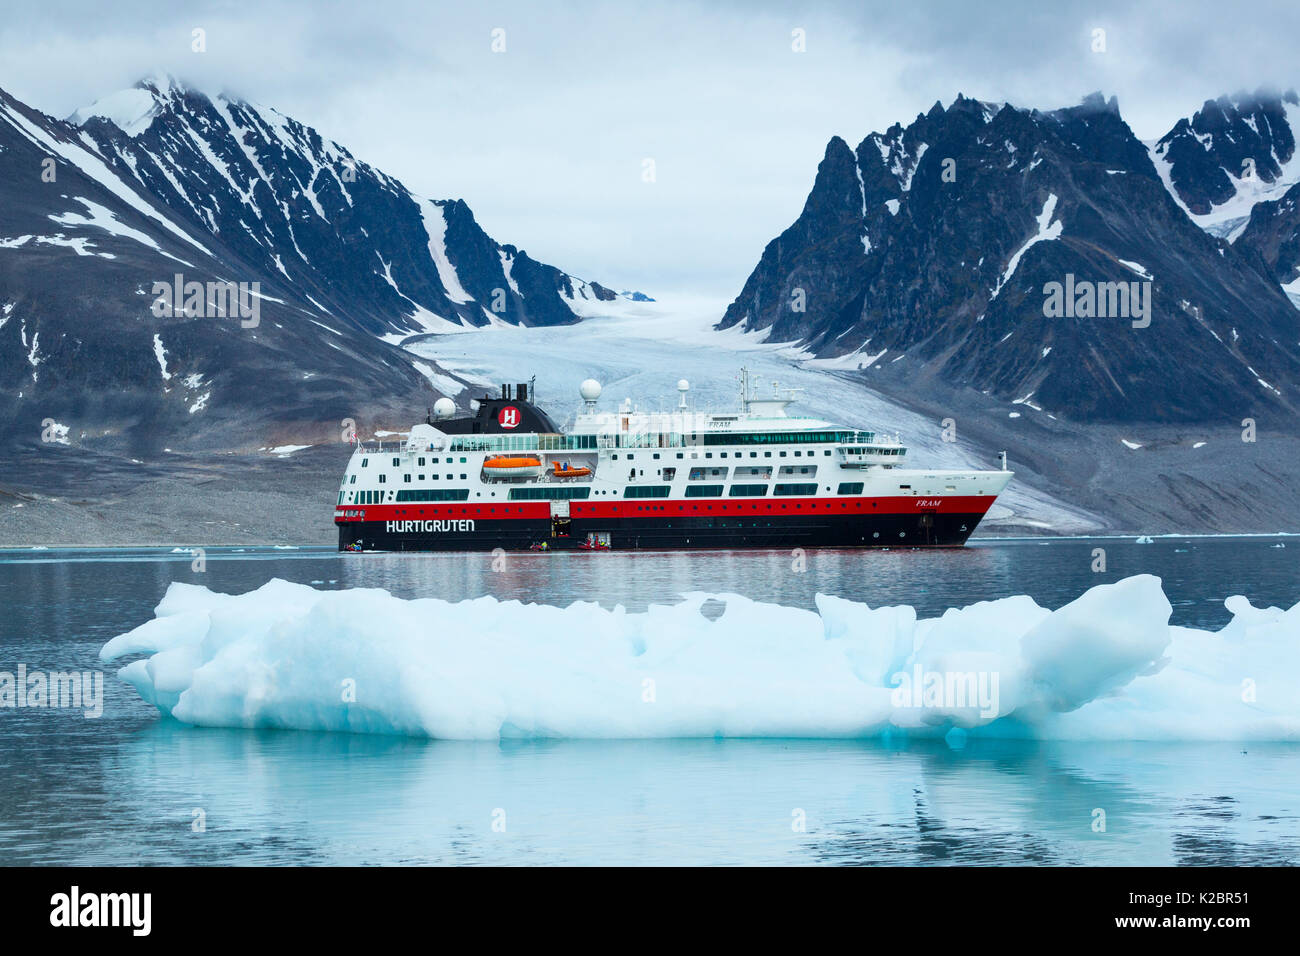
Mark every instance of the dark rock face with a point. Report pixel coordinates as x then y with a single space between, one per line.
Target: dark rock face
348 262
928 255
1273 232
1225 142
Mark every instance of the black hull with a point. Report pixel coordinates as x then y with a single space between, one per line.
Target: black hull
677 533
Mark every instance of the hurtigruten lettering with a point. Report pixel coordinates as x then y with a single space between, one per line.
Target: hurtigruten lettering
458 524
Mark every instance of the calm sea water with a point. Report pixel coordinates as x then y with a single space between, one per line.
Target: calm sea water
128 787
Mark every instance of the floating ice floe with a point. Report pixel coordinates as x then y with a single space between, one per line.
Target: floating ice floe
1106 666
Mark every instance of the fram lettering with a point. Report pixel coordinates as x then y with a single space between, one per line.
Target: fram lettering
102 909
928 502
459 524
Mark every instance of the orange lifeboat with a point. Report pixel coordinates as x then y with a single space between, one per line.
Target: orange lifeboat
562 469
506 466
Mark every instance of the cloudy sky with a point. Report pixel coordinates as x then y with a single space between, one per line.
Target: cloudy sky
547 140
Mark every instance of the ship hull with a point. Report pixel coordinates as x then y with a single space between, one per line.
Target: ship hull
927 530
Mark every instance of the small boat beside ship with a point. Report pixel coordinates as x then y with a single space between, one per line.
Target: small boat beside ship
507 477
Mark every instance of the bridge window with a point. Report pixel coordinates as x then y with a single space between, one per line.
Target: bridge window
850 488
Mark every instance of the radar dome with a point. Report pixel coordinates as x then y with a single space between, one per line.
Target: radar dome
590 390
444 408
683 385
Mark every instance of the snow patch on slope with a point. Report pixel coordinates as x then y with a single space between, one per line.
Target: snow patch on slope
1047 230
102 218
93 166
131 111
435 225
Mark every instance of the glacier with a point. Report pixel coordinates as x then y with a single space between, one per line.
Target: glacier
1106 666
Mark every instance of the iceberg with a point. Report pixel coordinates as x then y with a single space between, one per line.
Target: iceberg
1106 666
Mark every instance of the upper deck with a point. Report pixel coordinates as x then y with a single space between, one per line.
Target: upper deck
760 422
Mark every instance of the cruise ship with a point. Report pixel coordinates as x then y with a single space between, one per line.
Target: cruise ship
506 477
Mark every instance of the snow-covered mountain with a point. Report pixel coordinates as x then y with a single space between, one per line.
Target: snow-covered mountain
162 180
935 258
1230 155
352 239
1234 168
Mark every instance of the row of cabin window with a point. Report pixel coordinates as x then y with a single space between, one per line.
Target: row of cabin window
784 438
786 471
578 442
406 479
723 454
737 491
375 497
370 497
397 462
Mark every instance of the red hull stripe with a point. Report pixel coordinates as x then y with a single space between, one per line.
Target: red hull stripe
632 508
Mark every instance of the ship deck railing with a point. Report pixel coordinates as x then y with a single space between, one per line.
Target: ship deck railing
595 441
